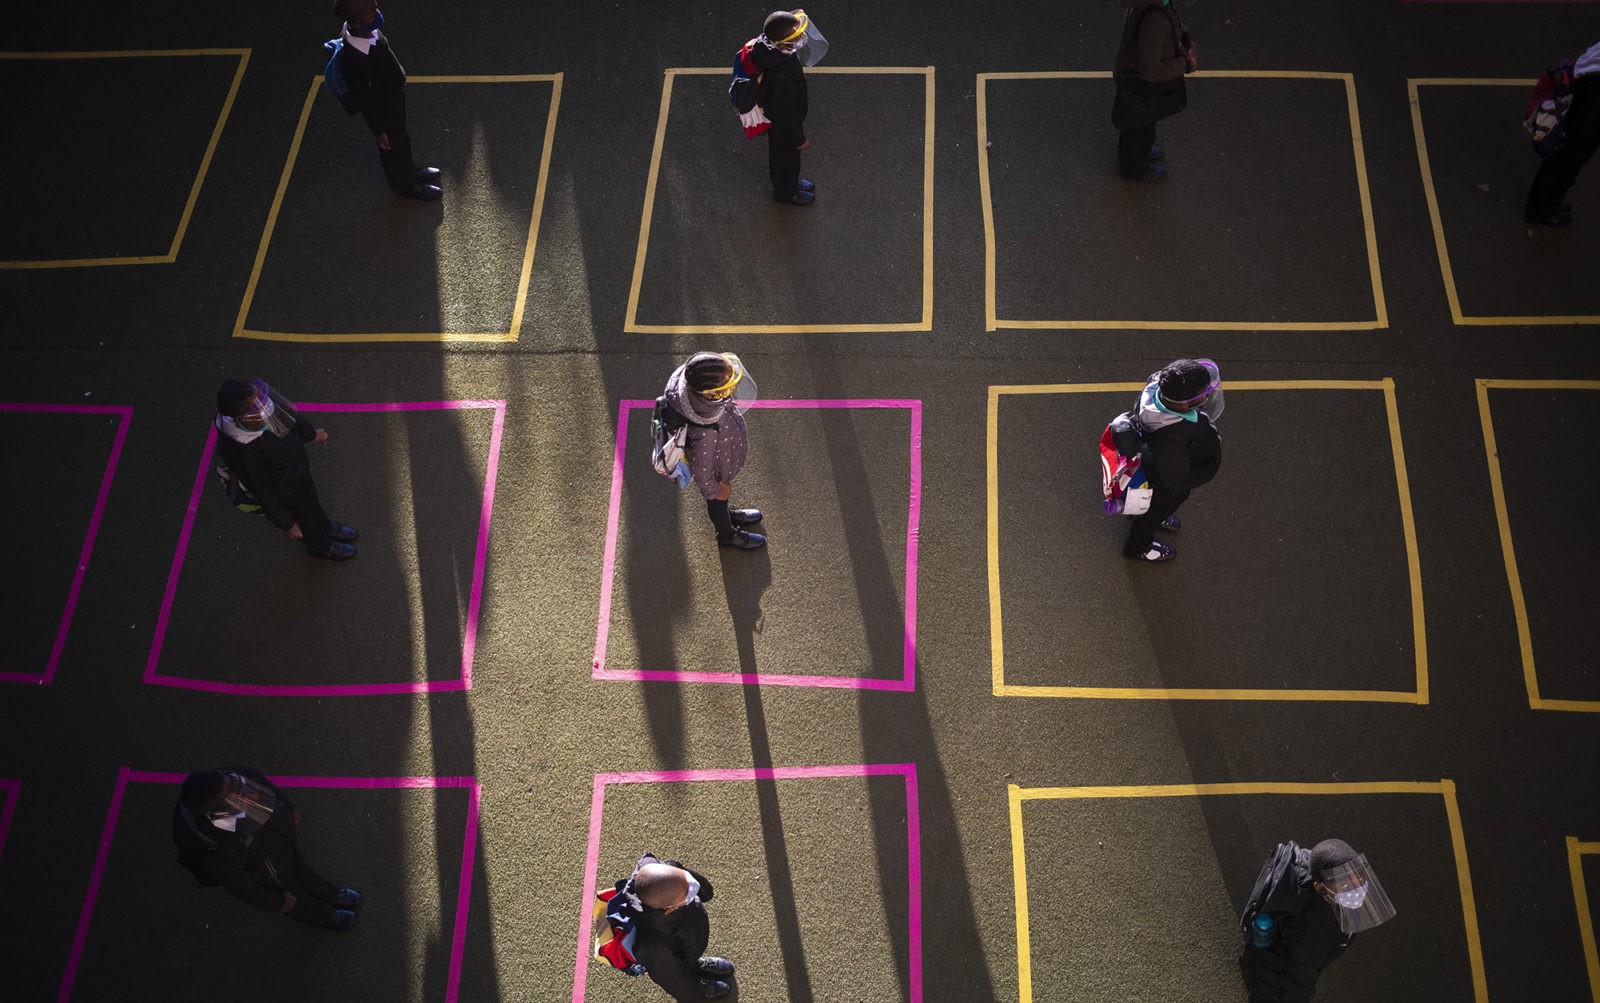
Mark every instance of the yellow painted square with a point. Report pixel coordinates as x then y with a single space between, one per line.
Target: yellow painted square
1576 851
243 55
1519 604
1521 87
241 331
1444 788
923 323
1380 318
1408 527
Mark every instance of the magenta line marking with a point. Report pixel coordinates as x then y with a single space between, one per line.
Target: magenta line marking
591 866
126 776
124 415
908 680
11 789
475 598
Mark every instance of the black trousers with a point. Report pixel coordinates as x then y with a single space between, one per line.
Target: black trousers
783 164
315 897
398 167
1133 148
1558 173
1142 531
315 526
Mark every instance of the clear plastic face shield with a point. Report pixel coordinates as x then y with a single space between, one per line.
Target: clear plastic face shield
271 413
740 387
242 795
1209 400
806 42
1357 895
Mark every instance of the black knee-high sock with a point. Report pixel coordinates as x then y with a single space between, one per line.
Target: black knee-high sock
718 510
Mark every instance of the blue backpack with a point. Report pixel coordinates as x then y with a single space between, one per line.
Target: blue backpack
333 76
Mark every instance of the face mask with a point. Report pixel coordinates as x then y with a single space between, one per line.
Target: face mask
1353 898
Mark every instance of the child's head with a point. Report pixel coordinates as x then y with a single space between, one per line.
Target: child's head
662 886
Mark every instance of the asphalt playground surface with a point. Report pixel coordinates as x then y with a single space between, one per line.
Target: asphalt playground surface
939 740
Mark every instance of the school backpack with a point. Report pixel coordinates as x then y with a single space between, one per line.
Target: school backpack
670 432
1123 483
239 496
744 89
1544 120
615 933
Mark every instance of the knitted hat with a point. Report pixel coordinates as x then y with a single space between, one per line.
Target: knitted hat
201 790
1182 381
235 399
1330 853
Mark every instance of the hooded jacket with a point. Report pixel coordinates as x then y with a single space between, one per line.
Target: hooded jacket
1152 41
781 93
1306 936
1177 454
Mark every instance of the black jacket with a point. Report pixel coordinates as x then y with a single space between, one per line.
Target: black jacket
1306 935
1183 455
277 471
376 79
782 93
670 945
246 865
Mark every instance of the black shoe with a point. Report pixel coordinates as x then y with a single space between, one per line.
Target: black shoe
743 540
336 551
1150 175
1156 153
1561 217
798 198
718 967
1170 524
807 186
343 919
422 192
344 534
430 175
744 516
714 988
348 898
1157 553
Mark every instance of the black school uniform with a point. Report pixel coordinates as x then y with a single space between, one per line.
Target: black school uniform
278 472
377 93
782 97
670 945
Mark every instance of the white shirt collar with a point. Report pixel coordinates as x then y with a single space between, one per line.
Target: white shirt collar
362 43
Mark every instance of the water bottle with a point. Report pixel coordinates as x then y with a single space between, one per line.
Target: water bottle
1261 930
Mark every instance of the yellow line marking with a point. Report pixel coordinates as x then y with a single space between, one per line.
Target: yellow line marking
631 317
1001 688
1580 895
1446 788
1437 219
993 322
199 178
1019 884
1519 606
997 648
1408 524
518 308
1469 908
538 207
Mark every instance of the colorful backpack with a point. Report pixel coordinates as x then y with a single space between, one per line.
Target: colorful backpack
615 933
744 90
1122 478
1545 117
669 448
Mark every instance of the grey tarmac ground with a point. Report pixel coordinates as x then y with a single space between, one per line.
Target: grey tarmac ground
939 740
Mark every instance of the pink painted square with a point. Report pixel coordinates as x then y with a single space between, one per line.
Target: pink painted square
907 641
585 959
124 414
126 776
203 475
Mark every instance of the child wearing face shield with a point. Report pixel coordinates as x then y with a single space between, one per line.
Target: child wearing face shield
1180 448
788 42
664 904
710 392
1306 908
